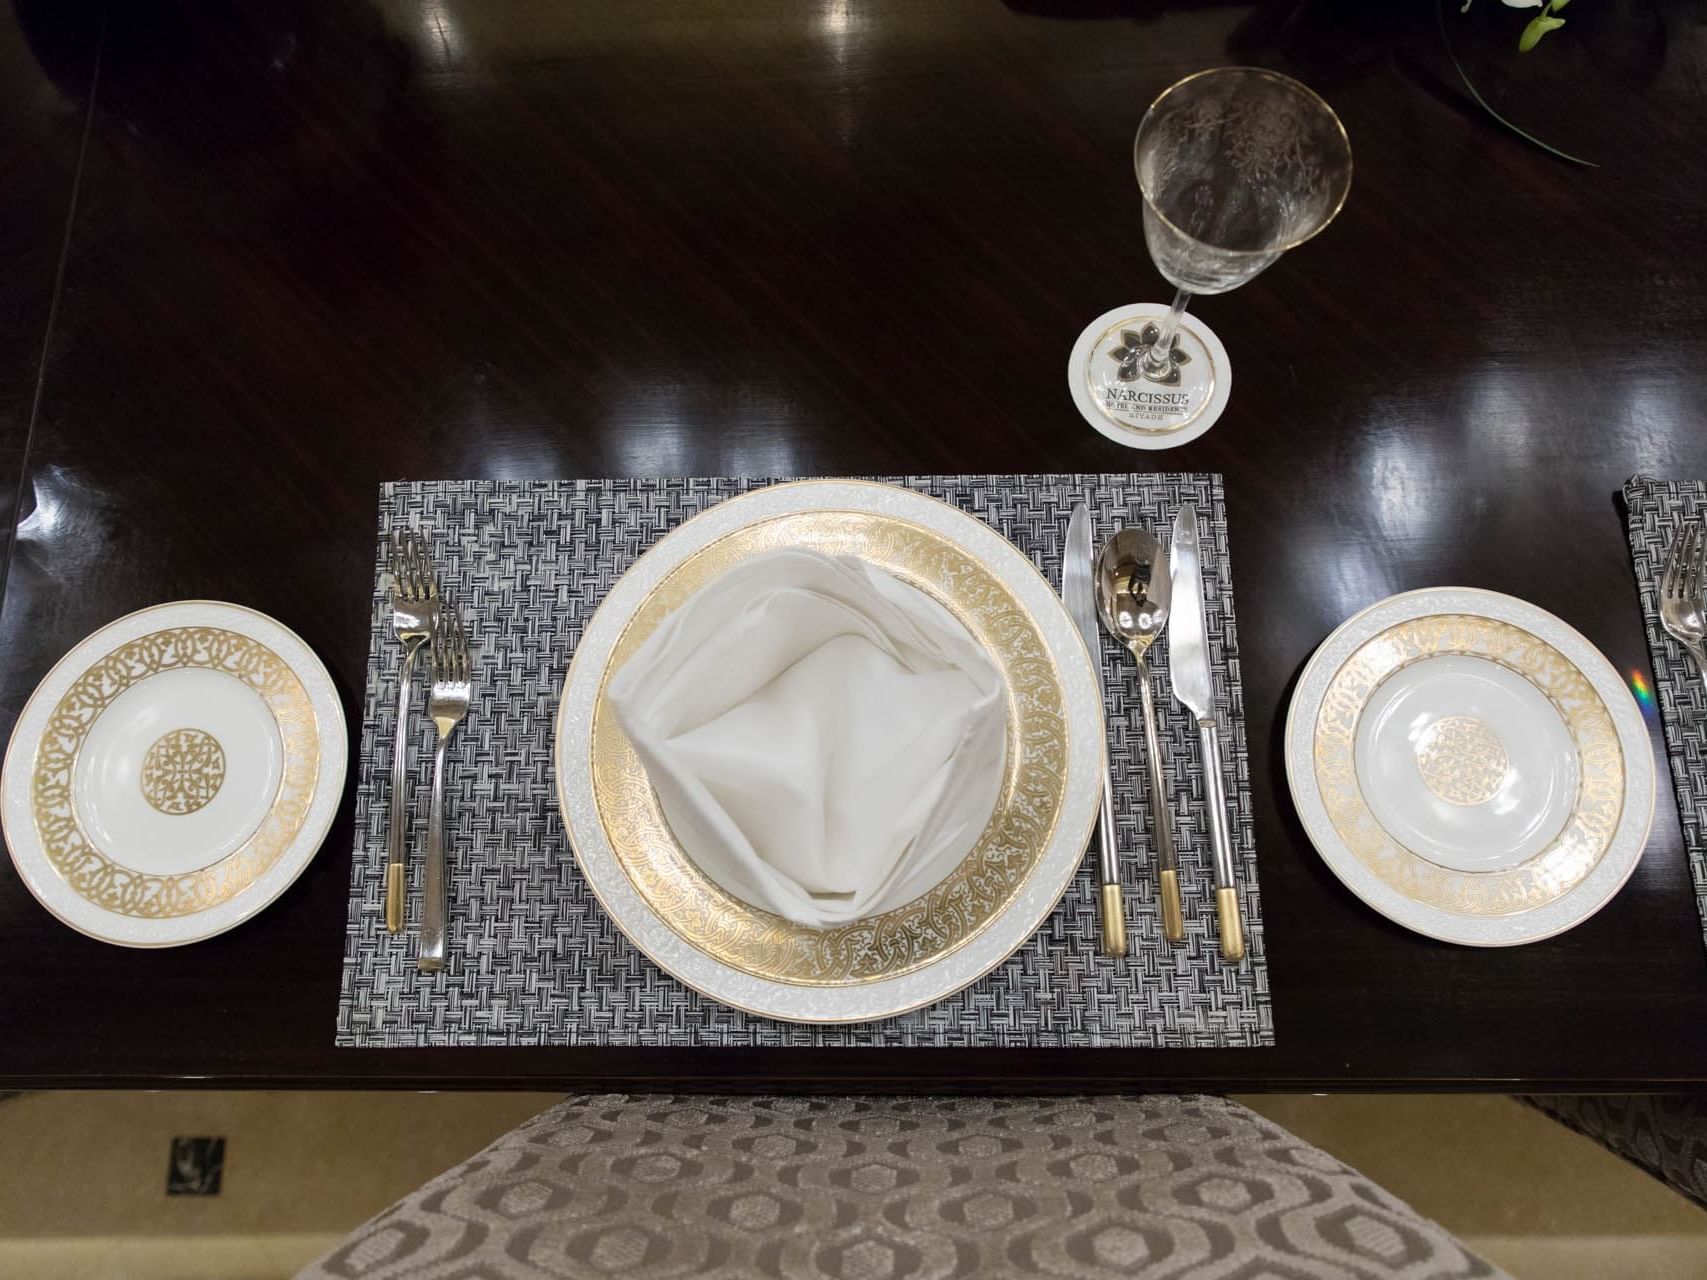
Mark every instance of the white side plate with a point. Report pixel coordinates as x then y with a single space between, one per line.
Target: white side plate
173 774
1476 816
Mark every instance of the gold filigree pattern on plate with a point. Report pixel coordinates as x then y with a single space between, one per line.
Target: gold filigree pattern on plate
1587 833
974 894
96 877
1462 760
182 771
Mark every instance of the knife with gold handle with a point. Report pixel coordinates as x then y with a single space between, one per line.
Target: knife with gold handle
1188 656
1078 592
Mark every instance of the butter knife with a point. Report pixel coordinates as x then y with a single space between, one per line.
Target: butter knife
1078 592
1194 688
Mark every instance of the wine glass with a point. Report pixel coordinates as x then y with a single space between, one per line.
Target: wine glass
1236 165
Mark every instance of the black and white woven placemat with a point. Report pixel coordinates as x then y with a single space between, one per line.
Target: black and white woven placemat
533 958
1657 510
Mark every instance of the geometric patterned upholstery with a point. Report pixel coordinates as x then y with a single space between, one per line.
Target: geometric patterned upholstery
877 1188
1664 1133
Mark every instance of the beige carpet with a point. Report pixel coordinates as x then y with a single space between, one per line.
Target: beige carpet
85 1191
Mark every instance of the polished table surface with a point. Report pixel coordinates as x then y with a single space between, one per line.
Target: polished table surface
257 259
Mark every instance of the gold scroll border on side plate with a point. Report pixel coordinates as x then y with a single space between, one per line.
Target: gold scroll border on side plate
921 932
107 884
1594 818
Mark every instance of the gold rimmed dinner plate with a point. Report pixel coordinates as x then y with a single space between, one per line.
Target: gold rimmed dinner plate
928 948
1470 766
173 774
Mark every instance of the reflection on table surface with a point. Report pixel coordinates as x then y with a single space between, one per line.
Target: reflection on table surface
317 248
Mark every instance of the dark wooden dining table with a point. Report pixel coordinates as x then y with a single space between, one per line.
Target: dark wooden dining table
257 259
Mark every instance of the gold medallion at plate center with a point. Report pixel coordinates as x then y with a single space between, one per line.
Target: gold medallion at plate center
1462 760
1468 765
765 945
183 771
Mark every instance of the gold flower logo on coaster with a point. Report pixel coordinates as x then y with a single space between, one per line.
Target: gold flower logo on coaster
183 771
1134 349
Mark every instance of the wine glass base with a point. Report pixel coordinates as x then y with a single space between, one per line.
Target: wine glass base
1118 395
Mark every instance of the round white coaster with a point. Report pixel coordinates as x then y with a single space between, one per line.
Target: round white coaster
1133 410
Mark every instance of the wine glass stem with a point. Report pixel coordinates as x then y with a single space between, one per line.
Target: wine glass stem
1156 359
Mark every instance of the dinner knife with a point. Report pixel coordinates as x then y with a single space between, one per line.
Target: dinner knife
1078 592
1194 688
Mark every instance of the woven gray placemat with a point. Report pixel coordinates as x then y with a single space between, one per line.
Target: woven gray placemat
533 958
1657 510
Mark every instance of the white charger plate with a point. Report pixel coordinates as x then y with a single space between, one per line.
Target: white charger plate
173 774
884 965
1470 766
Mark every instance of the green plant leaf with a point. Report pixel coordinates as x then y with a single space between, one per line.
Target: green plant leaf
1557 5
1538 27
1485 105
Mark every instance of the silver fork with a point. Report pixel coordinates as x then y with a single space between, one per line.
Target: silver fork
452 686
1681 609
414 615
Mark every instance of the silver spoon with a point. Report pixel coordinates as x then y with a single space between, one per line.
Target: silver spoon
1133 590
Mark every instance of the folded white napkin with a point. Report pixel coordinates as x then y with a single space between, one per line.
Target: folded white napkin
827 741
